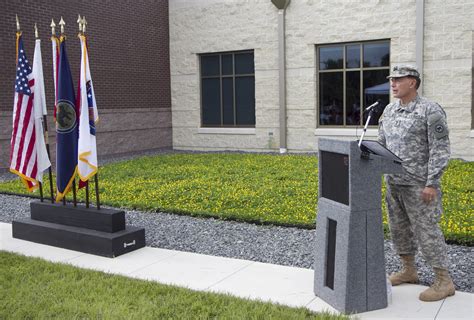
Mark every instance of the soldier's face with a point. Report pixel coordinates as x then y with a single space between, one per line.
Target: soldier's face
402 87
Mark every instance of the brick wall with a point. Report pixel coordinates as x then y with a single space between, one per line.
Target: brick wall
129 57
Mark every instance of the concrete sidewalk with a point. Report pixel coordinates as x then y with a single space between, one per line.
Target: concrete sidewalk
248 279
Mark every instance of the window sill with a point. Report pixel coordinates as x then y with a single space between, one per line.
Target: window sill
471 134
242 131
349 132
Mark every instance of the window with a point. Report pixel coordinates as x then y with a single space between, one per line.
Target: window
350 76
228 89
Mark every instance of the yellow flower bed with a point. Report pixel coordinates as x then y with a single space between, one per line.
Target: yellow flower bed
251 187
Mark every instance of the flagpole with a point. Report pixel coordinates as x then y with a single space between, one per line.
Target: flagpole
41 191
50 171
45 132
40 183
62 23
96 176
82 33
18 29
79 22
18 34
74 199
87 194
53 36
97 190
74 192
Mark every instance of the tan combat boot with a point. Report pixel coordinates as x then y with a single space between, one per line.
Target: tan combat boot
407 274
442 287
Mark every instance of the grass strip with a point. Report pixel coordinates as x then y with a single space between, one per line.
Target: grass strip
32 288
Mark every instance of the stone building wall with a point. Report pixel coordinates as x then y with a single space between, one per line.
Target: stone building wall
218 26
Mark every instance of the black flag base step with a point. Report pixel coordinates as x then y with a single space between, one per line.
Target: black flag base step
108 220
99 232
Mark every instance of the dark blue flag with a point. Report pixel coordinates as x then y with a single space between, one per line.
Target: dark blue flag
66 127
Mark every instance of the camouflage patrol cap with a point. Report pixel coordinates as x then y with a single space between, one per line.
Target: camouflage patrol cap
404 70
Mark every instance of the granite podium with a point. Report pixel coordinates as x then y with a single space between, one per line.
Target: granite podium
349 260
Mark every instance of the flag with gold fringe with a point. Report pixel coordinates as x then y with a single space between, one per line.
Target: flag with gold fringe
66 126
88 117
28 155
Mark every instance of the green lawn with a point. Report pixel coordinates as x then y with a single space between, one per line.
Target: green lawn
32 288
252 187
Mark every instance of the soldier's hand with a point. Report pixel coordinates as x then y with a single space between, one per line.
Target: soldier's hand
429 194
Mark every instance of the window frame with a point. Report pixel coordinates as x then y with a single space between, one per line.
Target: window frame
344 71
221 76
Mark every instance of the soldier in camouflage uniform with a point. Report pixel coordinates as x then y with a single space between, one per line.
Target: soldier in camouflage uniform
415 129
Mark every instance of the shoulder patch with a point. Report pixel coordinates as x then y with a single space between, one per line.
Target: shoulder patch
437 125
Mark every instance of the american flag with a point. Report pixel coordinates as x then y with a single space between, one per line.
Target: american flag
23 150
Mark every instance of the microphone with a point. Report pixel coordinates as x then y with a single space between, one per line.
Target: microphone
372 106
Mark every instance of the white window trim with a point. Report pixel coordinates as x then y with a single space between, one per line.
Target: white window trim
348 132
471 134
240 131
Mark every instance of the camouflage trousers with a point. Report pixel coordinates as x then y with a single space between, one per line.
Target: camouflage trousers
412 222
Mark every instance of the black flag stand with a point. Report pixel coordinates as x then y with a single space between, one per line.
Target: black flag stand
74 199
41 191
87 194
79 228
46 139
97 190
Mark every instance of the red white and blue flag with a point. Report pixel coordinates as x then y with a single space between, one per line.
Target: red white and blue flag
87 147
66 127
28 155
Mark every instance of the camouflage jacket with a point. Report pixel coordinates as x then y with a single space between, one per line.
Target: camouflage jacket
418 134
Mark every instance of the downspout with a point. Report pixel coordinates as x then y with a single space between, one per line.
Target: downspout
420 21
281 6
